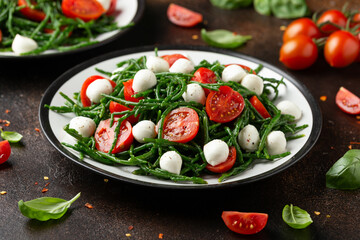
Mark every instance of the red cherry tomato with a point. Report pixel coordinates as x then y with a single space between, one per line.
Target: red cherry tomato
128 92
0 35
299 52
257 104
33 14
104 136
301 26
246 68
204 75
117 107
172 58
224 166
5 151
181 125
347 101
112 7
341 49
84 99
84 9
224 105
182 16
244 223
334 16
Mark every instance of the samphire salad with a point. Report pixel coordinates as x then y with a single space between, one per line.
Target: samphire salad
180 121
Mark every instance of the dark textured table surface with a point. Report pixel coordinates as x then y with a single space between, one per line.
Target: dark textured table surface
177 214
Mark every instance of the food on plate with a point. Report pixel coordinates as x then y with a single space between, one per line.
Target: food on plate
244 222
183 17
347 101
296 217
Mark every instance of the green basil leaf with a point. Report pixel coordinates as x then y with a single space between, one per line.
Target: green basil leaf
12 137
289 8
296 217
223 38
231 4
263 7
45 208
345 173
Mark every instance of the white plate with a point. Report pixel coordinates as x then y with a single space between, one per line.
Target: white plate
70 82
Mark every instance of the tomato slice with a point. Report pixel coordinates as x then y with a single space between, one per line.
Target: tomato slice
5 151
112 7
104 136
347 101
224 105
0 36
224 166
173 58
244 223
128 92
84 99
181 125
117 107
259 107
204 75
183 17
246 68
84 9
33 14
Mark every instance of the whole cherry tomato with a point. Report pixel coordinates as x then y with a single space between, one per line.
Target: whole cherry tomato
335 17
301 26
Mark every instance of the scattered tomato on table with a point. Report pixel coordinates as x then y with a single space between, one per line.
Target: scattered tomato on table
183 17
245 223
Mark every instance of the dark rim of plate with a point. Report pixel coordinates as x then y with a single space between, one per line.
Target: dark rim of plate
51 91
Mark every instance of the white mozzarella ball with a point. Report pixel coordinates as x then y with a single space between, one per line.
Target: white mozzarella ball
171 161
23 44
105 4
182 65
144 129
144 80
276 142
233 73
98 87
288 107
216 152
83 125
249 138
253 83
194 92
157 64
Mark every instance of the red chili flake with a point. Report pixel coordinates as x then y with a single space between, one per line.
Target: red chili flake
47 184
358 117
131 227
350 146
36 183
323 98
88 205
332 147
317 213
36 129
161 236
195 37
44 190
3 192
7 111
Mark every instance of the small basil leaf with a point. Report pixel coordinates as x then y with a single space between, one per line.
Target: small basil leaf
231 4
223 38
289 8
296 217
12 137
262 7
345 173
45 208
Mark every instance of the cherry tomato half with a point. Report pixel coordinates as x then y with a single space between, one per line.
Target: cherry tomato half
224 105
104 136
181 125
33 14
204 75
0 35
129 92
299 52
341 49
172 58
117 107
84 99
84 9
5 151
244 223
334 16
183 17
347 101
301 26
112 7
246 68
257 104
224 166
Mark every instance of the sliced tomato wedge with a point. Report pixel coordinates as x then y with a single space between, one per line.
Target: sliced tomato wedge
257 104
246 68
224 105
84 99
244 223
105 135
347 101
224 166
117 107
0 36
129 92
32 14
173 58
183 17
5 151
112 7
204 75
84 9
181 125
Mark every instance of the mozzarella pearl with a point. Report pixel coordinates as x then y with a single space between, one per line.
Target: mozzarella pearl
105 4
157 64
194 92
287 107
233 73
144 129
276 142
171 161
216 152
144 80
249 138
98 87
253 83
83 125
23 44
182 65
